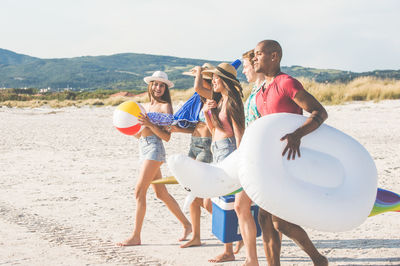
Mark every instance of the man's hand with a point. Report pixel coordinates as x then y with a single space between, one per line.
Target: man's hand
292 146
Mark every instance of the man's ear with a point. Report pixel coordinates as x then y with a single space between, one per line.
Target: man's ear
274 56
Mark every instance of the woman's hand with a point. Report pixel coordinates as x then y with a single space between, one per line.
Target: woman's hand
144 120
172 129
209 104
196 69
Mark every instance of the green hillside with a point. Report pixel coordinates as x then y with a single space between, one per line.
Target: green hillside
126 71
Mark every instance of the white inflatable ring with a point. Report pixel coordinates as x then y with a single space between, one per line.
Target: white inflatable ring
331 187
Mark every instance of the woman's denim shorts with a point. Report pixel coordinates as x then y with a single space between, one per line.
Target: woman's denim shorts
200 149
222 148
152 148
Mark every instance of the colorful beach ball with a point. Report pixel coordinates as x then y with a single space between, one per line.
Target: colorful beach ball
125 117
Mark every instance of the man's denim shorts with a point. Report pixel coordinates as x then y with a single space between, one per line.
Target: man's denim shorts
152 148
222 148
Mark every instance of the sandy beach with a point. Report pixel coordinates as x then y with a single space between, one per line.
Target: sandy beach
67 180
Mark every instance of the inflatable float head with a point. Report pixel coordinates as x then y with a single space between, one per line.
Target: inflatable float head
204 180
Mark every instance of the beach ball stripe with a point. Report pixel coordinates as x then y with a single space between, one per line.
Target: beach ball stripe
125 117
130 107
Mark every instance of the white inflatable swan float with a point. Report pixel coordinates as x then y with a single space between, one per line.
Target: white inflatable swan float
331 187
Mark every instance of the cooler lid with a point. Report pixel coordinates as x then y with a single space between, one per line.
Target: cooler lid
229 198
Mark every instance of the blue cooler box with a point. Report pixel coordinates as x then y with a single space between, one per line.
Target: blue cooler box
225 224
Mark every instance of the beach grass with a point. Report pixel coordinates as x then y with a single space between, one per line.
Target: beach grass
359 89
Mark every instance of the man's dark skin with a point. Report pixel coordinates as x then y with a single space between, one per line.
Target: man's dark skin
267 59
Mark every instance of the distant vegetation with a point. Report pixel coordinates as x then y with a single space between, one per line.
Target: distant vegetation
90 80
359 89
115 72
126 71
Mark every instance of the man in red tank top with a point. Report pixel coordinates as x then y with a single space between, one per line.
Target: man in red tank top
283 93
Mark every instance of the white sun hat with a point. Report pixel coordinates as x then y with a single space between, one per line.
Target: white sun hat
159 76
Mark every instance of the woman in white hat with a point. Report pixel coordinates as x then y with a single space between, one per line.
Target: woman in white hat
225 120
152 153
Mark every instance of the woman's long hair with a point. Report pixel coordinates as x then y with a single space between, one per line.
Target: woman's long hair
165 98
234 105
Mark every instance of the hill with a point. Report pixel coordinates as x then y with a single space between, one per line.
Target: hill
126 71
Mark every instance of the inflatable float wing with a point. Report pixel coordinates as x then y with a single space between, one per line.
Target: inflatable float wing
205 180
386 201
331 187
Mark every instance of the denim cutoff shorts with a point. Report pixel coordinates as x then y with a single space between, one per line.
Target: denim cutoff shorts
200 149
222 148
152 148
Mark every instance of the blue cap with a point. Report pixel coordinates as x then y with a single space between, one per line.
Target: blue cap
236 63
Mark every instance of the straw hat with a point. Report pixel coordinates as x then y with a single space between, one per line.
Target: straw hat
204 75
159 76
224 70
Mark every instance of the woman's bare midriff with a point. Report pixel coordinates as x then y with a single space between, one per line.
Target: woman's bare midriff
201 130
146 132
220 134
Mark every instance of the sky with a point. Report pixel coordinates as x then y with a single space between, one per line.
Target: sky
351 35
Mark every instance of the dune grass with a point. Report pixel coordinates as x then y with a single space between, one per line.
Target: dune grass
360 89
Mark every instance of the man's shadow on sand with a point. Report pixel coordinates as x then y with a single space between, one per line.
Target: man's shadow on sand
356 244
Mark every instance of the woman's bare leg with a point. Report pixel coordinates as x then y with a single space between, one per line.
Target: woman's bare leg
238 247
207 204
147 173
195 213
226 256
162 194
247 226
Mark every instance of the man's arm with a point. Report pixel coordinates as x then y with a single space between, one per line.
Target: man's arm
318 115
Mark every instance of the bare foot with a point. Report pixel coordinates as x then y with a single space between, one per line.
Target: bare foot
321 261
250 263
238 246
194 242
223 258
186 232
133 241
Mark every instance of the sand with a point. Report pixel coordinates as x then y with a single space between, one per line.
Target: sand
67 193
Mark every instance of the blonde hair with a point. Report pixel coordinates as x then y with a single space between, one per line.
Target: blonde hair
249 55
